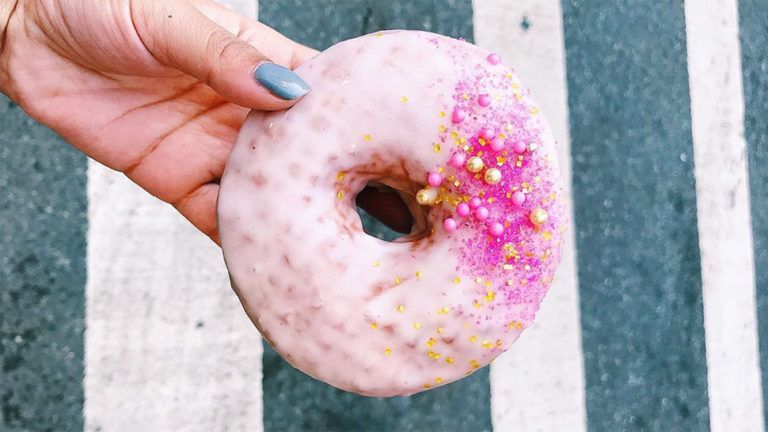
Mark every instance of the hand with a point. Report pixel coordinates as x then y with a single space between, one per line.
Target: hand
155 89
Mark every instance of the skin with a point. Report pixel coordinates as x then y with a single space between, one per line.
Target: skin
154 89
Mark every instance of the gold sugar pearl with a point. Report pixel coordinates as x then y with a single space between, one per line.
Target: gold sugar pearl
492 176
538 216
426 196
474 164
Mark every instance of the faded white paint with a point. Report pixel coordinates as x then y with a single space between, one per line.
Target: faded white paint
168 346
725 232
539 384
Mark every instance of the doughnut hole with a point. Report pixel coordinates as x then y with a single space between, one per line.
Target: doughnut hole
390 214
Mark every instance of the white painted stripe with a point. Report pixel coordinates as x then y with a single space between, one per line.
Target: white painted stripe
168 346
539 384
725 233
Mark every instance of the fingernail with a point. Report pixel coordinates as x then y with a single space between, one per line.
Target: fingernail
281 81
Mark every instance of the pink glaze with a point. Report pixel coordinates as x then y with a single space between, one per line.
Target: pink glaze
393 318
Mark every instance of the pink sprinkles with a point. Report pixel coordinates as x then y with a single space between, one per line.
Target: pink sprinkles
493 119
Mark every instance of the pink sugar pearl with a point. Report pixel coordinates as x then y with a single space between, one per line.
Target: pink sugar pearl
458 159
458 115
519 147
475 202
463 210
487 133
497 144
484 100
434 179
482 213
518 198
496 229
493 59
450 225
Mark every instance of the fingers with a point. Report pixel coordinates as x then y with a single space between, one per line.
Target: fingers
199 207
266 39
181 36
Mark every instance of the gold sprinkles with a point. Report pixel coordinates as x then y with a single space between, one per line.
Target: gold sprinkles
401 308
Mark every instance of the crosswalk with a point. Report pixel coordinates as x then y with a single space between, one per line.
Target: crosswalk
658 317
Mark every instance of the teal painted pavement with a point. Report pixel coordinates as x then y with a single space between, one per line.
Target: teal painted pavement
635 208
753 16
43 218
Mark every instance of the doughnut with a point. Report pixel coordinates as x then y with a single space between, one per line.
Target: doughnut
449 129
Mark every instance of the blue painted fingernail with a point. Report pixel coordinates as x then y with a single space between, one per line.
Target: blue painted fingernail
281 81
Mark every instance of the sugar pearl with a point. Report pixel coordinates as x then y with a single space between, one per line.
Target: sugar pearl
496 229
426 196
482 213
434 179
497 144
458 159
487 133
450 225
475 202
462 209
518 198
484 100
492 176
474 164
493 59
458 115
538 216
519 147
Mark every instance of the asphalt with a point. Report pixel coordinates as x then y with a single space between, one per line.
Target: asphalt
43 218
635 216
753 16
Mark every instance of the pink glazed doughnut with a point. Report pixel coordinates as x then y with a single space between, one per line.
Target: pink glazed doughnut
452 130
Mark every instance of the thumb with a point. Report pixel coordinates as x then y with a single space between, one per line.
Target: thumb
180 36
